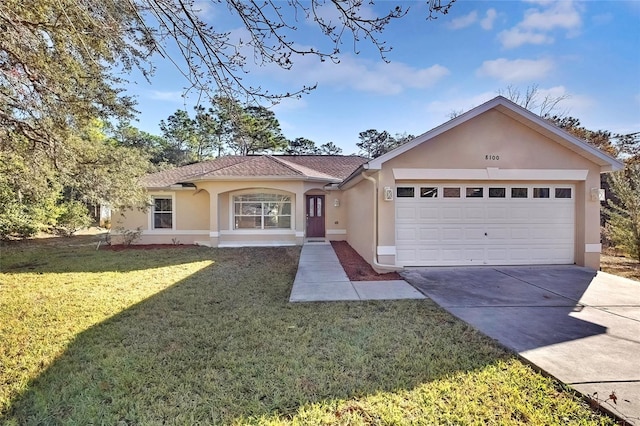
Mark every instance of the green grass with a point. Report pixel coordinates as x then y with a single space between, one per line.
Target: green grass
197 335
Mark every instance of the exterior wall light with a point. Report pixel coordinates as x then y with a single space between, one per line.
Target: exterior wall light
597 194
388 193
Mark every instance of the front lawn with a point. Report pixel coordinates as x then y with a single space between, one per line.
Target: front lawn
197 335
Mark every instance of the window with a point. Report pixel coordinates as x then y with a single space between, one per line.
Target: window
497 192
451 192
475 192
563 192
429 192
519 192
540 192
262 211
405 192
162 213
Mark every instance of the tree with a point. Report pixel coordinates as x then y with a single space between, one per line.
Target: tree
178 132
92 170
189 140
624 210
374 143
601 139
256 131
330 148
533 100
628 147
129 136
62 62
302 146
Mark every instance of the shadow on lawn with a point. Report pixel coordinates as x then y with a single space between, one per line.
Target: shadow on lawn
225 344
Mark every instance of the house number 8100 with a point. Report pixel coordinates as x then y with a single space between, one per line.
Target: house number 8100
491 157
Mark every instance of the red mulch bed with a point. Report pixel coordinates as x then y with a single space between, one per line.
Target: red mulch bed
356 267
121 247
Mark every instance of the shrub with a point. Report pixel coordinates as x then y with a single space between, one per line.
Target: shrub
73 217
624 211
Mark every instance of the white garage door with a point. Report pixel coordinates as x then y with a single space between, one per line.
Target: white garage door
484 224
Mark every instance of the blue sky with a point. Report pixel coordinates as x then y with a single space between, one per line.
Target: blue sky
588 51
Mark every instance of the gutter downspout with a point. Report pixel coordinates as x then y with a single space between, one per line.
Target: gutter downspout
375 227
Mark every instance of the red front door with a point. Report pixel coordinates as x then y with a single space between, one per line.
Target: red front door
315 216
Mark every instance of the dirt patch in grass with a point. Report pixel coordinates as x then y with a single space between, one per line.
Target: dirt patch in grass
621 266
356 267
121 247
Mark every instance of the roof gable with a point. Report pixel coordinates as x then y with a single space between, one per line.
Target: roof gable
520 114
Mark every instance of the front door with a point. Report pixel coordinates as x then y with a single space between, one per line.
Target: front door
315 216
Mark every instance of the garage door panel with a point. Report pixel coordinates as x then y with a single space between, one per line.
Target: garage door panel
406 234
452 235
474 234
429 235
496 231
497 213
431 255
497 254
406 256
474 213
404 213
451 213
429 213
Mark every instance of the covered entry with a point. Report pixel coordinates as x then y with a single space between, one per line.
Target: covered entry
472 223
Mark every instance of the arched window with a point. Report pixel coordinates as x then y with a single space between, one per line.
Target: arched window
261 211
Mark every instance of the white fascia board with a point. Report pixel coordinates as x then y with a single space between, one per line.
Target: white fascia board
490 174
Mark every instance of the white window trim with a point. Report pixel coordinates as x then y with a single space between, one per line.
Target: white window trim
150 226
232 196
485 195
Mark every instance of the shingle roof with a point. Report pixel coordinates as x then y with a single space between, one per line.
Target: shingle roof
332 168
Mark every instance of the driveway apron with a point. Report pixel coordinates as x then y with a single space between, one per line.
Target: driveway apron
580 326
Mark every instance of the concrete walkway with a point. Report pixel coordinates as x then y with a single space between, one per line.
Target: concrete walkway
321 278
580 326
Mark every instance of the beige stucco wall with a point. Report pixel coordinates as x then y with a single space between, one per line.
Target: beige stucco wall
518 147
192 210
204 215
359 199
191 220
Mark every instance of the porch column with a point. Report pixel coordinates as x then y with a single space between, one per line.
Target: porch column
214 229
301 217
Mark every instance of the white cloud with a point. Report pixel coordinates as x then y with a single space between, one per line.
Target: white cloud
539 21
561 14
487 22
515 37
169 96
384 78
360 74
516 70
571 104
463 21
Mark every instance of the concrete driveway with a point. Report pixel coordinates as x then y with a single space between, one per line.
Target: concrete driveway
580 326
